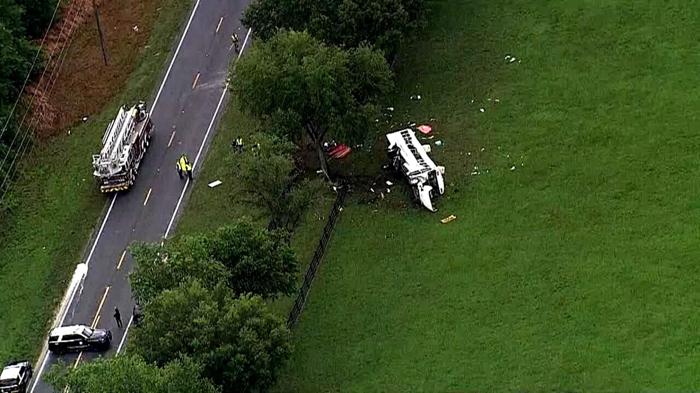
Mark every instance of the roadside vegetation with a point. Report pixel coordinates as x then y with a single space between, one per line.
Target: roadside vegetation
54 204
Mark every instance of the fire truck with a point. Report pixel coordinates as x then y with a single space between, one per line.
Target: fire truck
410 157
123 146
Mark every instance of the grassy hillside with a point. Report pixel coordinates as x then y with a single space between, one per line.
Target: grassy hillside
572 263
57 205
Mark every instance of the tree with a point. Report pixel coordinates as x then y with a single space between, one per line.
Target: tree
131 374
270 176
345 23
157 268
239 343
37 16
318 89
246 258
261 262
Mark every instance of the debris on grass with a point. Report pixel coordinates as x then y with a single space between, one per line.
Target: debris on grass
425 129
481 110
215 183
448 219
388 183
438 143
512 168
135 28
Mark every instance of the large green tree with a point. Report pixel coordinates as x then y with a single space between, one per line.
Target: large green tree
131 374
319 91
248 259
346 23
240 344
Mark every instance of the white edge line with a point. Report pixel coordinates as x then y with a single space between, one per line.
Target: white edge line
126 332
37 377
245 41
196 159
170 67
102 227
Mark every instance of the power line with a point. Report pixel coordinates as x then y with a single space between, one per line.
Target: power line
29 74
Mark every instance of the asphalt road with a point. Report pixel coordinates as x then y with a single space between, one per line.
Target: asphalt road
184 111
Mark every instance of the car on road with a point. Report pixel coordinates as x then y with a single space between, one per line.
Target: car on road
15 377
79 338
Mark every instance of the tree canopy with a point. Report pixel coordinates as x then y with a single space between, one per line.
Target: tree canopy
239 343
131 374
345 23
320 91
246 258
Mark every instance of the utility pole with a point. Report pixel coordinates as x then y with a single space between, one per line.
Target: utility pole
99 28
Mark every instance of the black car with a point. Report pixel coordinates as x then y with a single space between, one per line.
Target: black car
15 377
79 338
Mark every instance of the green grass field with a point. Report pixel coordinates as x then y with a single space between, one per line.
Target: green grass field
57 206
574 271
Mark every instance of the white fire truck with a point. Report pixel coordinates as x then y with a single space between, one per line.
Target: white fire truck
410 157
123 146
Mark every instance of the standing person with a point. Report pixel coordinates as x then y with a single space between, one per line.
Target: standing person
118 317
234 38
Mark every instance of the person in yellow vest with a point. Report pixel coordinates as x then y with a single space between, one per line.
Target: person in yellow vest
183 167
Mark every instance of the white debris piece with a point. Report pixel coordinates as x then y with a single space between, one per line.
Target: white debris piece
481 110
512 168
388 183
215 183
135 28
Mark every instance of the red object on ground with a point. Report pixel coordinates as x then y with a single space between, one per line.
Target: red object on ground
340 151
336 149
425 129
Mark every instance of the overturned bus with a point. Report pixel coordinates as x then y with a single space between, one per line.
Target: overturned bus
409 157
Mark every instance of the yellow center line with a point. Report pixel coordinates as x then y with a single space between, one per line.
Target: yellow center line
219 25
172 136
119 265
95 322
99 307
196 78
147 196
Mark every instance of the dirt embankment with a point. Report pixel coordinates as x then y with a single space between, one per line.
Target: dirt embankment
85 83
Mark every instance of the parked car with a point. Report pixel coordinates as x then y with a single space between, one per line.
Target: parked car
79 338
15 377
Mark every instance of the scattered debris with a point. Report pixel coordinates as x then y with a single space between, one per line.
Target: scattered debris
85 118
215 183
438 143
497 100
390 109
388 183
448 219
135 28
483 148
416 97
481 110
425 129
512 168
